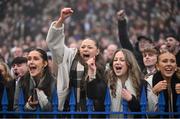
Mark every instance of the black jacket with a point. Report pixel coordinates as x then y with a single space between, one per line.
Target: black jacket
174 80
10 88
126 44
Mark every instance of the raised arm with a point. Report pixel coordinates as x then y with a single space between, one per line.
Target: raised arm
124 38
61 54
55 37
122 31
65 13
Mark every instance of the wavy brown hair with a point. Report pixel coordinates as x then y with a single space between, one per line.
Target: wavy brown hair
7 75
134 72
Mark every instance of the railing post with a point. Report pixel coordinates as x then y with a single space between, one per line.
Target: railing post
125 107
21 102
55 102
38 110
178 105
89 105
4 102
143 101
161 103
72 102
107 102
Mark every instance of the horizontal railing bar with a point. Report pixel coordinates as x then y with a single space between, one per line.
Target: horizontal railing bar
129 113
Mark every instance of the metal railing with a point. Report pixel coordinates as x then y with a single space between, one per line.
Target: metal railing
89 103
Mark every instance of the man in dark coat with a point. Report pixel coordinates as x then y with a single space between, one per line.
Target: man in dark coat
143 41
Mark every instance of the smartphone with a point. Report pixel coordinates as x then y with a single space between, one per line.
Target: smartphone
34 95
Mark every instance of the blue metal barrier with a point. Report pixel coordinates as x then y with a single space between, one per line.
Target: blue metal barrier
55 113
107 102
4 102
143 101
55 103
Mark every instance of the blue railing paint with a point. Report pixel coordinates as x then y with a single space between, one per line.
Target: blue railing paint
143 101
93 113
125 107
4 102
90 111
21 102
38 110
89 107
107 102
161 103
178 104
55 102
72 101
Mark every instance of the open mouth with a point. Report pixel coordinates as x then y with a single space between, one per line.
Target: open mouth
86 56
168 69
168 46
32 68
16 73
118 68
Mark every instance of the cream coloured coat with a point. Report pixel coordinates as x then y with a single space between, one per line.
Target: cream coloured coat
63 57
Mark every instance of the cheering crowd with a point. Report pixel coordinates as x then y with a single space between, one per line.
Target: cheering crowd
90 46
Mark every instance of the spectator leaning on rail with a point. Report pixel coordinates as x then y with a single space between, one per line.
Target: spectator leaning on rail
38 84
167 80
81 68
125 82
6 81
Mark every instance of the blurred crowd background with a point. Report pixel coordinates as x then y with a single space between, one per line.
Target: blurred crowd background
25 23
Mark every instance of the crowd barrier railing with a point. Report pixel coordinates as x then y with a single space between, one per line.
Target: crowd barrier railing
89 103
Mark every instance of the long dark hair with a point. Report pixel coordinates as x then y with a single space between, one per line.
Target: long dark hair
44 56
99 60
45 86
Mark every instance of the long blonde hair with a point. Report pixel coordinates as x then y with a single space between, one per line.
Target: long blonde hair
134 72
7 75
